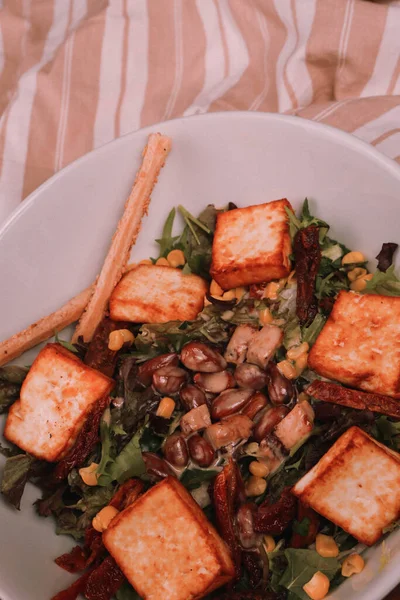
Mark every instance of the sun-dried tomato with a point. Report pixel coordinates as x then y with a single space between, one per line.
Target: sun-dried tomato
73 561
86 440
252 564
256 290
302 541
74 590
104 581
98 355
307 257
275 518
127 494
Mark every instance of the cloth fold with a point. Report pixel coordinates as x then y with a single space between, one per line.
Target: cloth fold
75 74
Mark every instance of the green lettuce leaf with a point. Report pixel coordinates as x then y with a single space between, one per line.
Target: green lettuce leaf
385 283
306 219
15 476
167 242
197 240
128 463
11 379
126 592
302 565
193 478
310 333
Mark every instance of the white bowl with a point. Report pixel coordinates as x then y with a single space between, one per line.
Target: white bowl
53 246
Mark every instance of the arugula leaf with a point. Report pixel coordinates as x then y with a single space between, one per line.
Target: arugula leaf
193 478
128 463
65 344
15 476
167 242
197 241
126 592
385 283
388 432
302 527
9 451
106 446
310 333
11 379
302 565
306 219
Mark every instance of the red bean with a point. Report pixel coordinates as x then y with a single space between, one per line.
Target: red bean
156 467
280 389
169 380
197 356
175 450
250 376
244 519
214 382
256 403
191 397
269 421
201 452
230 402
146 370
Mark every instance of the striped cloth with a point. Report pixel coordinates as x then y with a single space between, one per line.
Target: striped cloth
75 74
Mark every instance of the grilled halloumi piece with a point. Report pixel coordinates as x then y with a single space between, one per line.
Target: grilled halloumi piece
56 396
251 245
356 485
166 547
360 343
157 294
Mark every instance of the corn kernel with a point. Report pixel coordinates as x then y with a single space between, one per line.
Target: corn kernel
162 262
287 369
166 408
145 261
352 564
353 257
252 448
265 317
361 283
115 340
326 546
88 474
258 469
255 486
269 543
356 273
215 289
297 351
229 295
176 258
301 363
128 336
240 292
318 586
103 518
272 290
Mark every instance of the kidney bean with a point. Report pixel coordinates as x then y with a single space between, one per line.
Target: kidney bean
201 452
230 402
146 370
244 520
214 382
280 389
156 467
256 403
175 450
250 376
197 356
268 421
169 380
192 397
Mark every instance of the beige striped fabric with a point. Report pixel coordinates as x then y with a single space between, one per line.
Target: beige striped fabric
75 74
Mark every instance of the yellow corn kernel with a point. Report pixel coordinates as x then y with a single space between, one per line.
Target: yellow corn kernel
240 292
303 397
361 283
269 543
229 295
265 317
356 273
166 408
272 290
297 351
353 257
146 261
88 474
326 546
301 363
258 469
352 564
287 369
162 262
318 586
215 289
255 486
252 448
117 339
128 336
103 518
176 258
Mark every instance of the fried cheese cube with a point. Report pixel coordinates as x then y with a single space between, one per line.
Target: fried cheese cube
166 547
360 343
56 396
251 245
157 294
356 485
296 425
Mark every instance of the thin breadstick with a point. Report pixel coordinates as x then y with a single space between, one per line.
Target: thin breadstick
44 328
128 228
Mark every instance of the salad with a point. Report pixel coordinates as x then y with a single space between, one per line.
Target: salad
262 421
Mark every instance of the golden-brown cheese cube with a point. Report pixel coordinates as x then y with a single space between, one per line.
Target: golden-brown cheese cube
360 343
356 485
56 396
296 425
157 294
251 245
166 547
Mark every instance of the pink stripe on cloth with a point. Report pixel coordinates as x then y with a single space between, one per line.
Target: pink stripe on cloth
75 74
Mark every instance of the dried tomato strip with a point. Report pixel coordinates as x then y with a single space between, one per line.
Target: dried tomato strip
307 257
275 518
